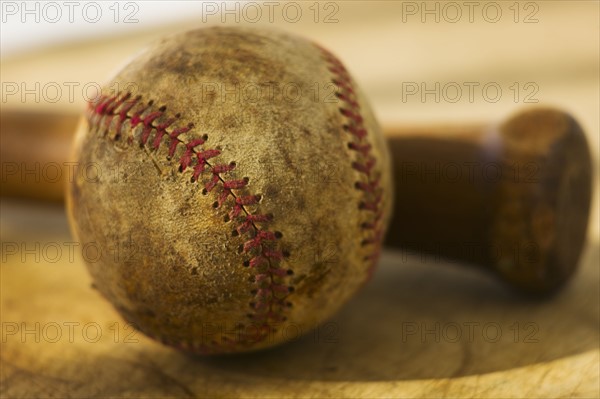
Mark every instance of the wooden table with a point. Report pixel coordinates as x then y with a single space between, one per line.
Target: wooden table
422 328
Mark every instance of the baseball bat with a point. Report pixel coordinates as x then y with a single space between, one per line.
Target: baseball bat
34 152
512 197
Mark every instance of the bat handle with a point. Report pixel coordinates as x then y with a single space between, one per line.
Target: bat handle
34 152
513 198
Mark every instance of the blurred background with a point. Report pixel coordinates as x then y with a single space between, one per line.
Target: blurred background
419 63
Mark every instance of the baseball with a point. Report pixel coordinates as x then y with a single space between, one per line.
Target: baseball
237 185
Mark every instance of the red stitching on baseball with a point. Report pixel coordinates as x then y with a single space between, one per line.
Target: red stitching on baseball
365 164
269 298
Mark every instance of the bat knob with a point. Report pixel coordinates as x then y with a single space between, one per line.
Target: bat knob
542 199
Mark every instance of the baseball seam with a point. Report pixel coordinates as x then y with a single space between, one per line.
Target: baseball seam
269 298
372 191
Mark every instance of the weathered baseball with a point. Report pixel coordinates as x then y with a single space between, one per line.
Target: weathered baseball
237 186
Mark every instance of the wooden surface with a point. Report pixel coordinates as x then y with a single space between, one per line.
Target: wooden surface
379 345
366 350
